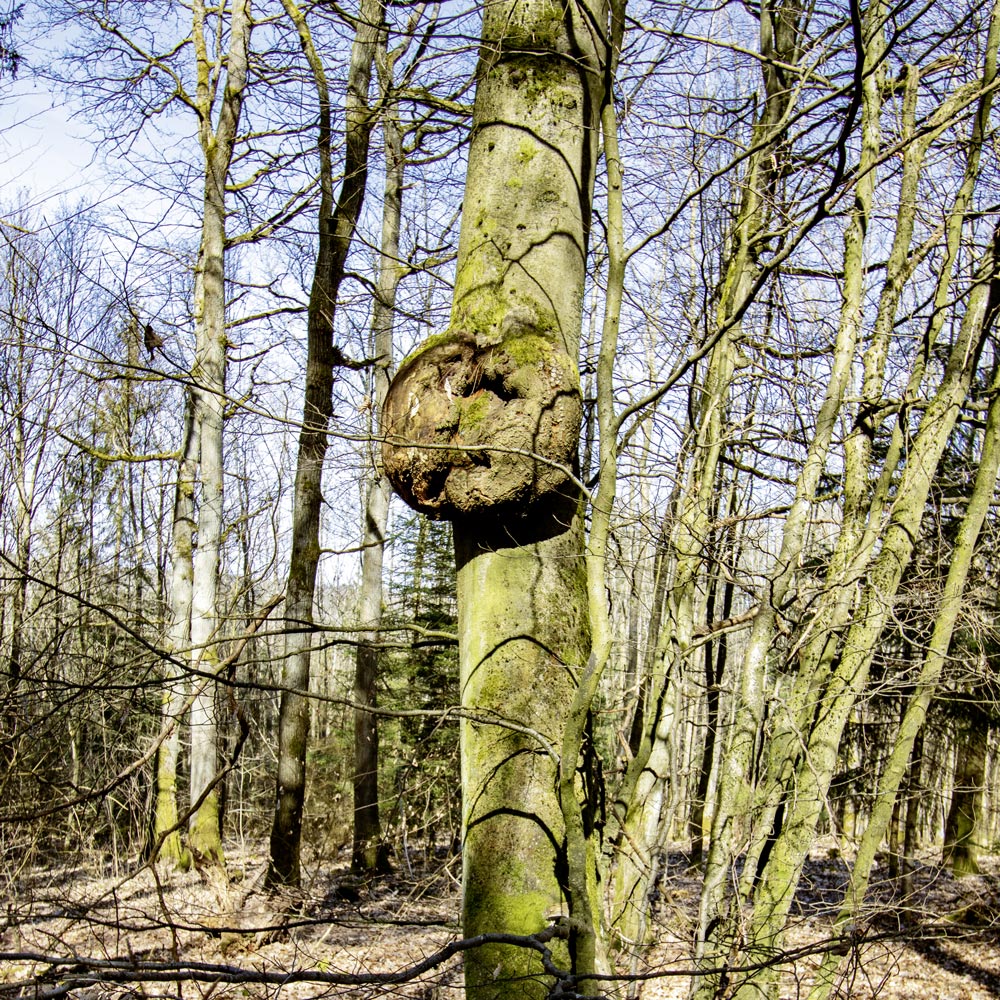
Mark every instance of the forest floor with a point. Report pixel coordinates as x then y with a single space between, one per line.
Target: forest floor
194 935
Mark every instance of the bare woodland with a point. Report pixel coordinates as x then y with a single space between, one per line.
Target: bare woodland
498 500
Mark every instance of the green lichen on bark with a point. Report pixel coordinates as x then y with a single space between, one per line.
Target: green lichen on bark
482 426
203 835
166 827
521 653
472 429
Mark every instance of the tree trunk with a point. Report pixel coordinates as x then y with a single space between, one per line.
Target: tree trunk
482 427
23 511
523 637
369 854
336 231
843 628
911 824
166 834
715 665
205 826
962 833
208 399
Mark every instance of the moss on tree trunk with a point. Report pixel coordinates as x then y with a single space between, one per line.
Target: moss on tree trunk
962 833
520 653
482 426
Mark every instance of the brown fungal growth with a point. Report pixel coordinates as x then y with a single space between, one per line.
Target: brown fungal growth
474 429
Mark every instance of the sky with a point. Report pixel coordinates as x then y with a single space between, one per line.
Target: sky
43 151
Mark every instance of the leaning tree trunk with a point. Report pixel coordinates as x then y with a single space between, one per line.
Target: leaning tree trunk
779 877
483 425
905 755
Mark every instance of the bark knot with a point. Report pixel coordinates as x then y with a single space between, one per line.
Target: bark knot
473 429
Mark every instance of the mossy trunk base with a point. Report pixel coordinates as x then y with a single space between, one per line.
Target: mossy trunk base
522 642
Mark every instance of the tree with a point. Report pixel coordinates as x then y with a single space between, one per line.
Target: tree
963 825
368 853
482 425
337 222
207 400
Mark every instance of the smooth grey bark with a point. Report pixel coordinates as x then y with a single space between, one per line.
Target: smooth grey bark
368 853
207 391
165 821
581 816
337 223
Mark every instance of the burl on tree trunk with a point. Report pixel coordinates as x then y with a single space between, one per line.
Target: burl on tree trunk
486 424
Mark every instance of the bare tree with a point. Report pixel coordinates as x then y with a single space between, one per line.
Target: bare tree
337 222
